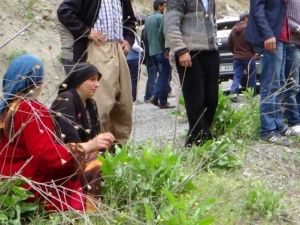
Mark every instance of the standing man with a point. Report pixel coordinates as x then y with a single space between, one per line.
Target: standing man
103 32
292 106
155 38
243 57
190 31
265 30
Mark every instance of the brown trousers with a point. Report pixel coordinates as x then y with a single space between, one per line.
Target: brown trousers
113 97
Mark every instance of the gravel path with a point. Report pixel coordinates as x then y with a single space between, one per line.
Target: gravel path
155 124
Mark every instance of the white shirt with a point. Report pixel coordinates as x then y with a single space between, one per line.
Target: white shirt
205 4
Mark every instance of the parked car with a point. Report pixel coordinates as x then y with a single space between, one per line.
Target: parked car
226 57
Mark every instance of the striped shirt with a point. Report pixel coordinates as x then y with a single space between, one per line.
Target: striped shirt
293 13
110 20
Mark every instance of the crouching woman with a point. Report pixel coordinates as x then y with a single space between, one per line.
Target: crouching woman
29 146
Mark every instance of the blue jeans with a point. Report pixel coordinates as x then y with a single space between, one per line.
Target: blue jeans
239 66
134 72
292 110
271 115
164 73
150 86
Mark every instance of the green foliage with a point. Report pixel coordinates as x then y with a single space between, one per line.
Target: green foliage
185 210
144 183
242 122
136 175
263 203
181 100
231 127
31 4
220 153
13 205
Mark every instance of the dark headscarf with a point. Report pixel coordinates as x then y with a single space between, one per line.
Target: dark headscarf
79 73
24 73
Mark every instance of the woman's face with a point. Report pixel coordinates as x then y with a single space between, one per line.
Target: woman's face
88 87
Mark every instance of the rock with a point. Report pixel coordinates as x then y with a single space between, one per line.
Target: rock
46 17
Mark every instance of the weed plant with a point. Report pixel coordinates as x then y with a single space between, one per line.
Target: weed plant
262 203
14 209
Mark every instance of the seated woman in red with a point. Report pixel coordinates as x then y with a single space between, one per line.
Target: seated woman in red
29 146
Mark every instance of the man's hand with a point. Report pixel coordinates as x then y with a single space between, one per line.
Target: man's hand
185 60
97 36
270 44
125 47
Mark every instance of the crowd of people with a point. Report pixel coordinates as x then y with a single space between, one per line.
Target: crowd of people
57 147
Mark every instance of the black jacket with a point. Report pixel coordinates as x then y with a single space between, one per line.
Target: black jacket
77 122
79 16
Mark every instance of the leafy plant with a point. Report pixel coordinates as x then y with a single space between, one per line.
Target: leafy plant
13 205
184 210
144 183
220 153
242 122
263 203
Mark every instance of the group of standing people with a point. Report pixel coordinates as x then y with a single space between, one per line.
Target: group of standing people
272 31
57 148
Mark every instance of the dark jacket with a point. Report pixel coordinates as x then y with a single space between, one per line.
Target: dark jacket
79 16
266 18
75 121
237 44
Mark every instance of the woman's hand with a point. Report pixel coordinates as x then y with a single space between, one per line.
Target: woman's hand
101 141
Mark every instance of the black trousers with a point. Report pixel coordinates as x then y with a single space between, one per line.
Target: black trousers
200 92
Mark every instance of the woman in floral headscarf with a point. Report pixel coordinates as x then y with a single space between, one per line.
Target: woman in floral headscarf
28 143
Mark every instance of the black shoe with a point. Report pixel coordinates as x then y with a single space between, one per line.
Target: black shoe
153 100
276 138
167 106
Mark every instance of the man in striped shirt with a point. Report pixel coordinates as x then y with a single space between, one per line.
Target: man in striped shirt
292 95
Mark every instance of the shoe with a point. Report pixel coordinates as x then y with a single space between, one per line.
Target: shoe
289 131
167 106
276 138
147 101
153 100
234 98
296 129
